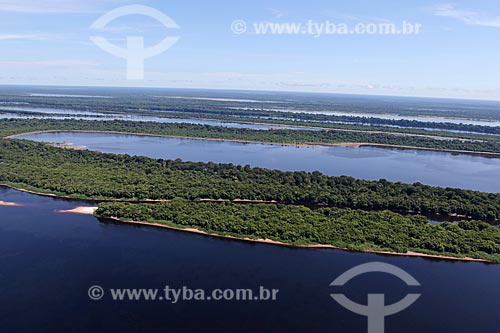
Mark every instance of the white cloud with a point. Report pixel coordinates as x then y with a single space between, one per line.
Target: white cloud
467 16
11 37
48 63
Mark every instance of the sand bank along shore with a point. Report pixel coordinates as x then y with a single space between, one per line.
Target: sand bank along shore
10 204
79 210
312 246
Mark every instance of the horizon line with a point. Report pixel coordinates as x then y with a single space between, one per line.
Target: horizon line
250 90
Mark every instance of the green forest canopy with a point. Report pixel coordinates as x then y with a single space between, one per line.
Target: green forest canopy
344 228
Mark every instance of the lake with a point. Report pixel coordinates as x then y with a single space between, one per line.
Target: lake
408 166
49 260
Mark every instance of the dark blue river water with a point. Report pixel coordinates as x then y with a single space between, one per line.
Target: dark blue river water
49 260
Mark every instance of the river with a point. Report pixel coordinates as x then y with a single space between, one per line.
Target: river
49 260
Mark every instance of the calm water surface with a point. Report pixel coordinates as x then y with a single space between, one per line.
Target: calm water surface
409 166
49 260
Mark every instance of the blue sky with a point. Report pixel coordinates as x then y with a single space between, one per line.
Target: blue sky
456 54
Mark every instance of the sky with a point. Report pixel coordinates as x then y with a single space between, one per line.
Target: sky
456 53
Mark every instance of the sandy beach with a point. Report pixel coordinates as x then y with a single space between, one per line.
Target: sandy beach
10 204
79 210
312 246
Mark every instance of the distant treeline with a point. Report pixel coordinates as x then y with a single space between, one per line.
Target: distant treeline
284 112
324 120
87 174
281 136
398 124
474 132
344 228
129 99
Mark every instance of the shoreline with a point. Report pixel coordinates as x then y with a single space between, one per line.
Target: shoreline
305 144
93 200
297 246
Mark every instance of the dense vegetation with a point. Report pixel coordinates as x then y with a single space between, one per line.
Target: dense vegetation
87 174
282 136
345 228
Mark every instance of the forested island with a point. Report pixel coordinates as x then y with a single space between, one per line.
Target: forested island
354 230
